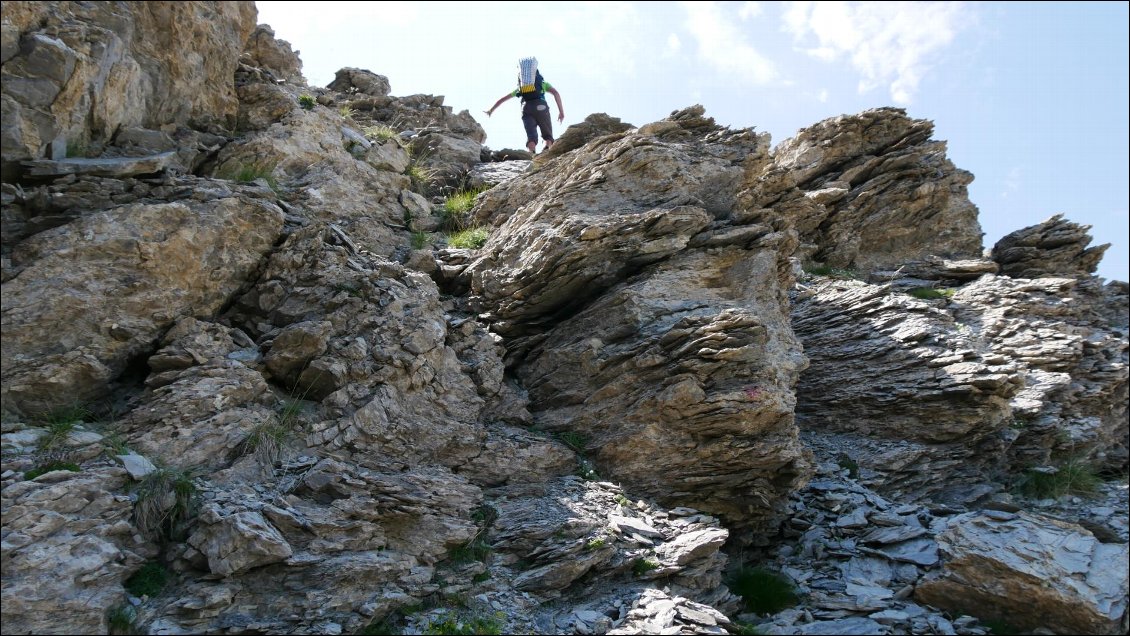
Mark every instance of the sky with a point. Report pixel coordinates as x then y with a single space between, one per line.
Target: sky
1030 97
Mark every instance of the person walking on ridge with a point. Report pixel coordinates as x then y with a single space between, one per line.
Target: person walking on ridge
532 88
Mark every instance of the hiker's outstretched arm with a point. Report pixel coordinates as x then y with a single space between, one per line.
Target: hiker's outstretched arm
502 99
560 108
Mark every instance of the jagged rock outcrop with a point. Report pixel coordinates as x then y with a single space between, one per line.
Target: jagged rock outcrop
577 135
953 391
640 314
1055 247
869 192
263 50
75 72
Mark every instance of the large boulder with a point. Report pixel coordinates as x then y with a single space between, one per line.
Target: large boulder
869 192
95 294
1030 571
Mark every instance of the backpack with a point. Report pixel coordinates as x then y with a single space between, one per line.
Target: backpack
534 90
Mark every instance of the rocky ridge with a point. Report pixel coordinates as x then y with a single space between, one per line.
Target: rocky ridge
267 388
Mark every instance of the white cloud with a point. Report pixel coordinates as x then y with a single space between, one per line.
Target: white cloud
1012 181
749 10
890 44
722 45
674 44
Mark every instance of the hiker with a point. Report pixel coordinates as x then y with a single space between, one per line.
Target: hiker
535 111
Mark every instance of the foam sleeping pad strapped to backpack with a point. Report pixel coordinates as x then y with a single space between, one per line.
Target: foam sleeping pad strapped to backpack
528 74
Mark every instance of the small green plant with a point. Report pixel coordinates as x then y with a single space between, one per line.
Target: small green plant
573 440
643 566
246 173
122 620
745 629
166 503
1074 477
845 461
80 148
148 581
46 468
459 623
347 112
477 549
481 576
420 240
59 424
456 209
381 133
595 544
421 178
473 238
586 471
115 444
930 293
484 514
306 101
762 591
267 440
622 500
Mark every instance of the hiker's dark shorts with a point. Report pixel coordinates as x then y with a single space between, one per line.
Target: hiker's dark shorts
535 114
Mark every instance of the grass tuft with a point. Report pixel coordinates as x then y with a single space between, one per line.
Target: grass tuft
122 620
166 503
466 623
381 133
148 581
1074 477
46 468
472 239
643 566
930 293
762 591
306 101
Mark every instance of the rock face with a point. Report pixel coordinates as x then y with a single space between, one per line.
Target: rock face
92 296
335 427
869 192
1031 573
642 315
74 72
952 392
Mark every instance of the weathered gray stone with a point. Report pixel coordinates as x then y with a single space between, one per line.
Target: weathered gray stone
238 542
1032 572
178 258
1056 247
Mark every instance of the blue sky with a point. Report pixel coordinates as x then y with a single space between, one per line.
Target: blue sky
1031 97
